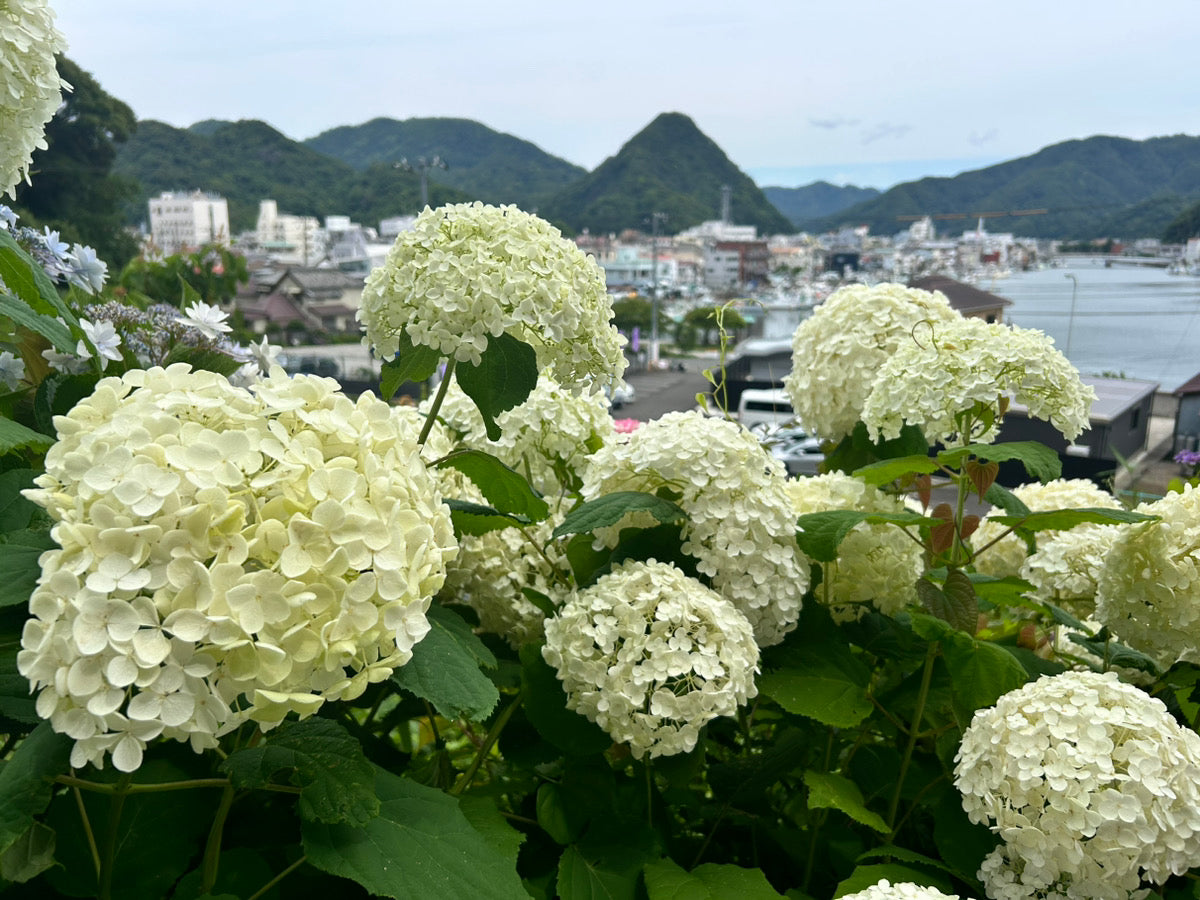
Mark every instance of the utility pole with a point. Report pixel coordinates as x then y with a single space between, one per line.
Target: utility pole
655 219
1071 320
422 167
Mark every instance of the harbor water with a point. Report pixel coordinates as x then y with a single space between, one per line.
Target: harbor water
1132 321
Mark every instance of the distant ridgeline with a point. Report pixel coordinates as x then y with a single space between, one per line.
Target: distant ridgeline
1093 188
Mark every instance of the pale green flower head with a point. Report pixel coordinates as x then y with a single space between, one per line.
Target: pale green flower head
651 656
468 272
903 890
30 89
955 378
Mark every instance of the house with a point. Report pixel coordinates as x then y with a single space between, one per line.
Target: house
1187 415
969 300
321 300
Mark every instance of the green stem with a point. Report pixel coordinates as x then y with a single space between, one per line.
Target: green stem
436 406
87 831
262 891
489 741
212 849
109 858
918 713
101 788
649 793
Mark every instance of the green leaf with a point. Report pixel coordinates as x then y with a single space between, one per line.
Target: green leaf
419 847
612 508
412 362
19 569
955 602
445 669
487 819
823 680
30 856
1001 497
15 436
337 782
1000 592
552 814
1065 519
827 790
667 881
47 326
888 470
28 280
15 510
607 864
1039 460
201 359
17 704
1116 654
506 374
26 780
820 534
546 706
57 395
864 876
476 519
980 673
242 872
504 488
961 843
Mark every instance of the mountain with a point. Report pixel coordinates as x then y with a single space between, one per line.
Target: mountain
1092 188
488 165
670 166
249 161
813 201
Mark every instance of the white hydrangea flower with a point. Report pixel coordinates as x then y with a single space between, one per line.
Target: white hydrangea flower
30 89
953 367
877 565
1081 772
468 272
740 525
226 554
206 318
651 656
1007 555
1148 591
12 370
104 338
85 269
1007 875
904 890
1066 566
549 436
837 352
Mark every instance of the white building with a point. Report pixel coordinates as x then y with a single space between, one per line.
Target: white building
185 221
635 265
290 239
717 230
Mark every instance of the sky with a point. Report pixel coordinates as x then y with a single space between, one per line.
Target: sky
867 93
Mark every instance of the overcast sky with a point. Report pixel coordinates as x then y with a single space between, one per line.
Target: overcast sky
869 93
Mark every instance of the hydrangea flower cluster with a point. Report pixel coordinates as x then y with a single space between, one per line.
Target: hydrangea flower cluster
837 352
651 656
73 264
1088 780
1148 591
468 272
940 372
740 526
904 890
1007 555
1065 569
30 89
877 565
547 438
226 554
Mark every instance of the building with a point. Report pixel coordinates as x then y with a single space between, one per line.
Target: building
968 300
182 222
297 240
731 265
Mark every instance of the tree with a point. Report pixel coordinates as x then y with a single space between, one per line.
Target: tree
1185 225
213 272
73 189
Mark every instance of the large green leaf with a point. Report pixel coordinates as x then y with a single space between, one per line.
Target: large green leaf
17 704
820 534
30 856
415 363
1002 498
15 510
612 508
980 673
337 782
822 680
47 326
506 374
476 519
828 790
1064 519
57 395
26 780
1039 460
546 706
28 280
445 669
19 569
504 488
419 847
954 602
607 864
888 470
667 881
15 436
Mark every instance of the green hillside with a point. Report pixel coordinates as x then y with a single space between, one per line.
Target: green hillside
485 164
1093 188
671 167
249 161
813 201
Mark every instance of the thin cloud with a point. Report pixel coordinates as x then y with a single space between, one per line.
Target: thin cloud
884 130
979 140
836 122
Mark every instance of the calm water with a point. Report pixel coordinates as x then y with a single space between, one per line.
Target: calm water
1142 322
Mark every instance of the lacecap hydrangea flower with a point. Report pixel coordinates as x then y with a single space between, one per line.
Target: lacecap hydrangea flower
468 272
1007 555
30 89
740 525
904 890
1148 590
226 554
1088 781
837 352
651 656
877 565
946 369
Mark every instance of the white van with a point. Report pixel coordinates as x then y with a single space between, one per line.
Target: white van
765 406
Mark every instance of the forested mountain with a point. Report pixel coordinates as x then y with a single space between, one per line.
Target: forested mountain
248 161
1097 187
670 166
486 164
813 201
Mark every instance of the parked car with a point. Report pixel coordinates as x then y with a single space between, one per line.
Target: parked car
798 450
770 406
620 395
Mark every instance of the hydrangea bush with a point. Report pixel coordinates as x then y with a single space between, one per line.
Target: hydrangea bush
265 640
